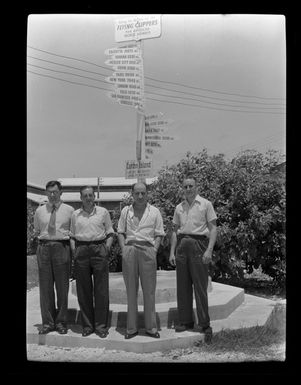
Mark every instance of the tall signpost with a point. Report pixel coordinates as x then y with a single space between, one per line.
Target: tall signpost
128 78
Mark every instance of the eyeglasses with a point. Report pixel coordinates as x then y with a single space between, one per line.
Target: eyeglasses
188 185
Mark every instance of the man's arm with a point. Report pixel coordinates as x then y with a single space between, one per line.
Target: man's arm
121 239
207 257
157 243
173 243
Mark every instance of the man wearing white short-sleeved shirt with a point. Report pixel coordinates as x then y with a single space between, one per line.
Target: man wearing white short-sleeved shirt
140 229
194 234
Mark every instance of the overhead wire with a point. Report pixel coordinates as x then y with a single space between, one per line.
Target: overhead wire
163 81
158 100
148 92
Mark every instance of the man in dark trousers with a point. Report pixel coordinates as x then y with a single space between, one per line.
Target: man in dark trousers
52 226
91 230
194 234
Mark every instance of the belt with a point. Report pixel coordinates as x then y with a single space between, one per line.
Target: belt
44 241
142 243
194 236
78 243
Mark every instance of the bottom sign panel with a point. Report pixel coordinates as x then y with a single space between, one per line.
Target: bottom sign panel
135 168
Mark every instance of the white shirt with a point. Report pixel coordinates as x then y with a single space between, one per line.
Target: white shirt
149 227
62 222
91 227
194 218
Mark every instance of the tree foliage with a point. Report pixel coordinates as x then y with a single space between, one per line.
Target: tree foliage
248 195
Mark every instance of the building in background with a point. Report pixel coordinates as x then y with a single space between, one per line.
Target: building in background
109 191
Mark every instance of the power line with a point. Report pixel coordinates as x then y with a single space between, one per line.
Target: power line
68 81
150 85
68 73
65 65
208 90
172 96
164 101
212 108
218 104
212 97
163 81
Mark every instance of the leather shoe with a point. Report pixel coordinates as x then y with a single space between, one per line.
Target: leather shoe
46 329
127 336
61 329
208 334
102 333
154 335
87 332
183 327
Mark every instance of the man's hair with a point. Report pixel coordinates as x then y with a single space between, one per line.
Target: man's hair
189 176
53 183
84 188
133 185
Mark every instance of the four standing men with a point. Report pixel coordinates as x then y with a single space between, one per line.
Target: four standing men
140 229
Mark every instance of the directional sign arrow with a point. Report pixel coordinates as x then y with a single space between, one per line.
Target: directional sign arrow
152 144
153 116
157 123
154 130
122 50
158 137
118 62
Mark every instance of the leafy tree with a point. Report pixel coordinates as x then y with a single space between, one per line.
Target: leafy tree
249 198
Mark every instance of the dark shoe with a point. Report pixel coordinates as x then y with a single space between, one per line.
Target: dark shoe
208 334
183 327
127 336
154 335
87 331
61 329
46 329
102 333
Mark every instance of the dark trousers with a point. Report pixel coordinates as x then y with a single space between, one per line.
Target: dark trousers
91 261
54 268
192 273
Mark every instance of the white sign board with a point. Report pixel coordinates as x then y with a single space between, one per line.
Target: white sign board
137 27
135 168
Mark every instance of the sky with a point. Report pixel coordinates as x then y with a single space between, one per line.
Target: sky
220 79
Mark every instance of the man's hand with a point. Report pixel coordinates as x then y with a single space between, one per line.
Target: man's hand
172 260
207 257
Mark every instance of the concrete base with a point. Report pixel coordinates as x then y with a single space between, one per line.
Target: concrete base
229 307
223 300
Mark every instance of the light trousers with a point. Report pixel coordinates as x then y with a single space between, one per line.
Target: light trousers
139 261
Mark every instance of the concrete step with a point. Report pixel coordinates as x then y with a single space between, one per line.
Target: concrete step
254 311
223 300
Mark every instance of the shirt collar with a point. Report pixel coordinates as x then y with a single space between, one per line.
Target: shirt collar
197 199
56 205
91 213
131 208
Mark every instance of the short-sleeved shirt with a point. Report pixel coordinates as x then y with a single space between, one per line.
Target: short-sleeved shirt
194 218
149 227
95 226
62 222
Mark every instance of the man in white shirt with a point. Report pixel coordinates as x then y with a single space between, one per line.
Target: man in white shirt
52 226
194 235
140 229
92 233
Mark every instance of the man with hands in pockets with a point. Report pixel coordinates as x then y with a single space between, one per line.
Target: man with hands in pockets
193 237
140 229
